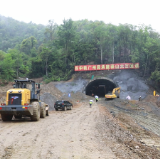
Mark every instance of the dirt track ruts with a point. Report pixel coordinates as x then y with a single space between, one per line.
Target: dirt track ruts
68 134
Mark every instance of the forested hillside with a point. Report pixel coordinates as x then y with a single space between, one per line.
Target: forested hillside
13 32
30 50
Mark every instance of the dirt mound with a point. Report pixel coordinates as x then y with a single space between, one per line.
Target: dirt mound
151 98
158 103
38 80
50 88
124 135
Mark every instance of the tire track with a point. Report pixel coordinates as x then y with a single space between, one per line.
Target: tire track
70 134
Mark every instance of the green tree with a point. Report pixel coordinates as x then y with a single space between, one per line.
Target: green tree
51 29
17 57
45 54
28 44
100 36
8 72
67 33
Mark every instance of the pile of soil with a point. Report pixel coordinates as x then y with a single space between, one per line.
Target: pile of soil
127 138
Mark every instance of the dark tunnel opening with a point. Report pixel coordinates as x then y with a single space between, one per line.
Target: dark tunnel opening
100 87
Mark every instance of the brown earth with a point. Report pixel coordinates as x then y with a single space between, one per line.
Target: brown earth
109 130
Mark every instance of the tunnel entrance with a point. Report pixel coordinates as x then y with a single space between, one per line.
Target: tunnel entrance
100 87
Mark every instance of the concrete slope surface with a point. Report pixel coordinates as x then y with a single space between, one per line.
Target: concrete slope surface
131 84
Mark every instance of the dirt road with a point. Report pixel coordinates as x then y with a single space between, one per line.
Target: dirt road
64 134
87 133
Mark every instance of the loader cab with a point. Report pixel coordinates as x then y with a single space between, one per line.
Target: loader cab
30 85
20 84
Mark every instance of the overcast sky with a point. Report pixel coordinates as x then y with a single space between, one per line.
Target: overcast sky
110 11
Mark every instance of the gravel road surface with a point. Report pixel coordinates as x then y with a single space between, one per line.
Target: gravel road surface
64 134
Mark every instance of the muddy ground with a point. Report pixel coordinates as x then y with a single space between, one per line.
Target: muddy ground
109 130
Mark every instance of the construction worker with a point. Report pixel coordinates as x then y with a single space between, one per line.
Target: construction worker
140 98
96 97
90 103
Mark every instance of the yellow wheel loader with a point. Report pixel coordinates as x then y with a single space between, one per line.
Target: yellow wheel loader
115 94
22 101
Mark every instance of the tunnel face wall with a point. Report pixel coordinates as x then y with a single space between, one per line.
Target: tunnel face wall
100 87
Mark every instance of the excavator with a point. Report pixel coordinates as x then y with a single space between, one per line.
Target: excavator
115 94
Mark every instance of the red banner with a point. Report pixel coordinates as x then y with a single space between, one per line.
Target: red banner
106 66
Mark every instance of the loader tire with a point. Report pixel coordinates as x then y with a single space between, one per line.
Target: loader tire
47 113
6 117
36 111
43 110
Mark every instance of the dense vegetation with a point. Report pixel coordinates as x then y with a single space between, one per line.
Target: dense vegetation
30 50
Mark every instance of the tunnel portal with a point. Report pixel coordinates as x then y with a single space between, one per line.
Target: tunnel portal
100 87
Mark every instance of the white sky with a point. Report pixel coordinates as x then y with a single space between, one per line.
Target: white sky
110 11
